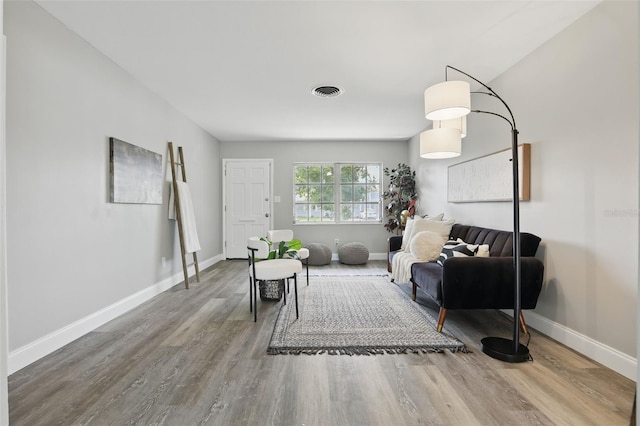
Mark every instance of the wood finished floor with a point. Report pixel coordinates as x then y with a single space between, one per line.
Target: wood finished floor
195 357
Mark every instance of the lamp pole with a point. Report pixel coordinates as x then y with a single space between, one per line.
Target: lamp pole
498 347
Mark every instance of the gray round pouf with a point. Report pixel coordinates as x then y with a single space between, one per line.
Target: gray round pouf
319 254
353 254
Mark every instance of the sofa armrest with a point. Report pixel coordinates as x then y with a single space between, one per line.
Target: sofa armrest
394 243
488 282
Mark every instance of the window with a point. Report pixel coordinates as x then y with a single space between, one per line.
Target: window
336 192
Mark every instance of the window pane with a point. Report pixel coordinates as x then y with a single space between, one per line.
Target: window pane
328 213
373 211
301 174
359 212
360 174
346 173
373 173
315 191
327 174
315 174
302 213
327 194
301 194
346 212
346 193
360 193
315 212
373 193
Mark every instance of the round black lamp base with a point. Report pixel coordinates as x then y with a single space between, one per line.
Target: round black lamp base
502 349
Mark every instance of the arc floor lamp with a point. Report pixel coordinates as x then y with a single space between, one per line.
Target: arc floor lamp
447 104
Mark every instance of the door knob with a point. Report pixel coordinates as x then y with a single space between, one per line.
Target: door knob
266 215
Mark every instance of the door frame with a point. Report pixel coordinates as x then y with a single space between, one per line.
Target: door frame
226 161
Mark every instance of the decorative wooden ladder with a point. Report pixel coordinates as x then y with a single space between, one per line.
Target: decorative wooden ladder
176 199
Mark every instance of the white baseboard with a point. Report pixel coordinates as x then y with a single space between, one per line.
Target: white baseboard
37 349
597 351
209 262
378 256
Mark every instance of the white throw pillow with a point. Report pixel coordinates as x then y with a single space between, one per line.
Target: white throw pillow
408 229
441 227
426 245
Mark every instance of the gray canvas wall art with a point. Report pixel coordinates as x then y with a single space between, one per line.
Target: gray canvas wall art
136 174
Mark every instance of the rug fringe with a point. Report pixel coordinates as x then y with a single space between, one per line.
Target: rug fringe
364 351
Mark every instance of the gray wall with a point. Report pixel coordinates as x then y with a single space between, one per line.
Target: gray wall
71 253
285 153
4 314
575 100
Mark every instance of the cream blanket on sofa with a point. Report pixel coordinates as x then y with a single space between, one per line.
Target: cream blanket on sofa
401 266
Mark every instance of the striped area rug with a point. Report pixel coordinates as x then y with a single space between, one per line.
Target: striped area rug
357 315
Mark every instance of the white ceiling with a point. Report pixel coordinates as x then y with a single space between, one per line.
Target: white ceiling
244 70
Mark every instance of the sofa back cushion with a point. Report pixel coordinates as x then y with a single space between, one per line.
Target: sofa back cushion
500 242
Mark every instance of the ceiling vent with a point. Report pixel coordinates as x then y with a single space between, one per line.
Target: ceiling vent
327 91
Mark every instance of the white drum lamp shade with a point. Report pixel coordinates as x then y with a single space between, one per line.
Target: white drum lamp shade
455 123
440 143
447 100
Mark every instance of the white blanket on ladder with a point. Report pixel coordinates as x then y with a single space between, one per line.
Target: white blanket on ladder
191 242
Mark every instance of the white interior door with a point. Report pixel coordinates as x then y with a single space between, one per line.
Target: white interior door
247 203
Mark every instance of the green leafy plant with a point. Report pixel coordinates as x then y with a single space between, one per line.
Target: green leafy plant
285 249
401 195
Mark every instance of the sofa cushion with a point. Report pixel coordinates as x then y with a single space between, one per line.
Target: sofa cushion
441 227
408 228
428 277
459 248
426 246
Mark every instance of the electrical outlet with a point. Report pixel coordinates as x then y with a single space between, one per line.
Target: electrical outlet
337 241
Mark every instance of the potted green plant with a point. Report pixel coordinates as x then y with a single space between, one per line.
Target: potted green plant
401 195
285 249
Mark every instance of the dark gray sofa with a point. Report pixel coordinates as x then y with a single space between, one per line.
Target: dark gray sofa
479 282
